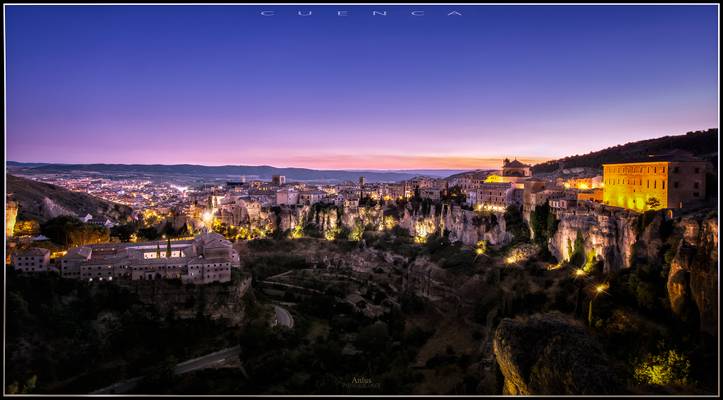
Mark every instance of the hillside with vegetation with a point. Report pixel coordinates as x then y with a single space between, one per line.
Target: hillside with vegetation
703 144
42 201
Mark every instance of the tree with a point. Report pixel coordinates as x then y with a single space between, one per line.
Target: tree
542 223
123 232
652 203
168 249
149 233
58 229
515 224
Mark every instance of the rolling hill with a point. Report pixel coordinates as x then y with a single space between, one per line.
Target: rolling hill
703 144
42 201
229 172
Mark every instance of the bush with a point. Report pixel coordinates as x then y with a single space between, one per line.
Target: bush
665 368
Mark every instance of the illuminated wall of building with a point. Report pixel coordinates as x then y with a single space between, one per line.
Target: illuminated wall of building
632 185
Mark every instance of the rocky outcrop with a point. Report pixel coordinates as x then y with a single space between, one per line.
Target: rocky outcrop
693 277
465 226
469 227
551 354
609 233
11 214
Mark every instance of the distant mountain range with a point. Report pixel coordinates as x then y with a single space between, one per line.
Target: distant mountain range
225 172
702 144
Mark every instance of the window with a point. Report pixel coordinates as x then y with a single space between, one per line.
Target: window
675 185
696 185
696 194
663 184
676 170
697 170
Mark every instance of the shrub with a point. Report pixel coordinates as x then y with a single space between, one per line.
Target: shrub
665 368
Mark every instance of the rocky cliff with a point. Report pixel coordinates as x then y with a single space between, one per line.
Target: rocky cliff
693 277
466 226
610 234
688 244
551 354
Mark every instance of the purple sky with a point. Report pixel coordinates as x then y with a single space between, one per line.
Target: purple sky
224 85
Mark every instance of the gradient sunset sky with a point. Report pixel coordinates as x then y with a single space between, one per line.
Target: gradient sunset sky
219 85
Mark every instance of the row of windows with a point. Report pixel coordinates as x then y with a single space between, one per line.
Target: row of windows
26 264
640 169
639 182
626 169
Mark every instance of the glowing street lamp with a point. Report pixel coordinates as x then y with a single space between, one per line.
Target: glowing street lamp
599 289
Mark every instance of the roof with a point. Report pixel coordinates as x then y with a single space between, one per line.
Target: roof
33 251
79 252
515 164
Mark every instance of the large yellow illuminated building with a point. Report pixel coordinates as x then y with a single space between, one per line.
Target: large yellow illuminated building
674 182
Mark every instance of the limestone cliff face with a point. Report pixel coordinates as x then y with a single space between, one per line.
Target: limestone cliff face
610 234
469 227
288 218
463 225
11 214
693 277
551 354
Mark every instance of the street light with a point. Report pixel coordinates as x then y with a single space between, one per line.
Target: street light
599 289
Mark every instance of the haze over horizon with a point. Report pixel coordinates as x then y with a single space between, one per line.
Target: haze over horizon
223 85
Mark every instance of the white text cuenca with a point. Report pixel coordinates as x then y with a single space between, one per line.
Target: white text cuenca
344 13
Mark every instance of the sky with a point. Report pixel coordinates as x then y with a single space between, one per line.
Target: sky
221 85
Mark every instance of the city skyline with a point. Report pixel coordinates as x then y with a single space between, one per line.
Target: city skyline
225 85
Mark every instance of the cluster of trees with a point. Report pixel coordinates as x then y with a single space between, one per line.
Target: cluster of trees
26 228
454 195
452 256
543 224
126 232
353 346
66 336
69 231
515 224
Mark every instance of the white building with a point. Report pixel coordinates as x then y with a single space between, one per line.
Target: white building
311 196
206 258
287 197
34 259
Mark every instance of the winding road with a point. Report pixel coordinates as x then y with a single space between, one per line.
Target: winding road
202 362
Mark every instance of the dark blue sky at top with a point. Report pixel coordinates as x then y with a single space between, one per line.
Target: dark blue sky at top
225 85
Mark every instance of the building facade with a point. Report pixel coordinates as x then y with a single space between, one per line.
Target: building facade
34 259
641 186
206 258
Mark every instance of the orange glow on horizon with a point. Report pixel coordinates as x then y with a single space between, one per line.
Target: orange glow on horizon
395 162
